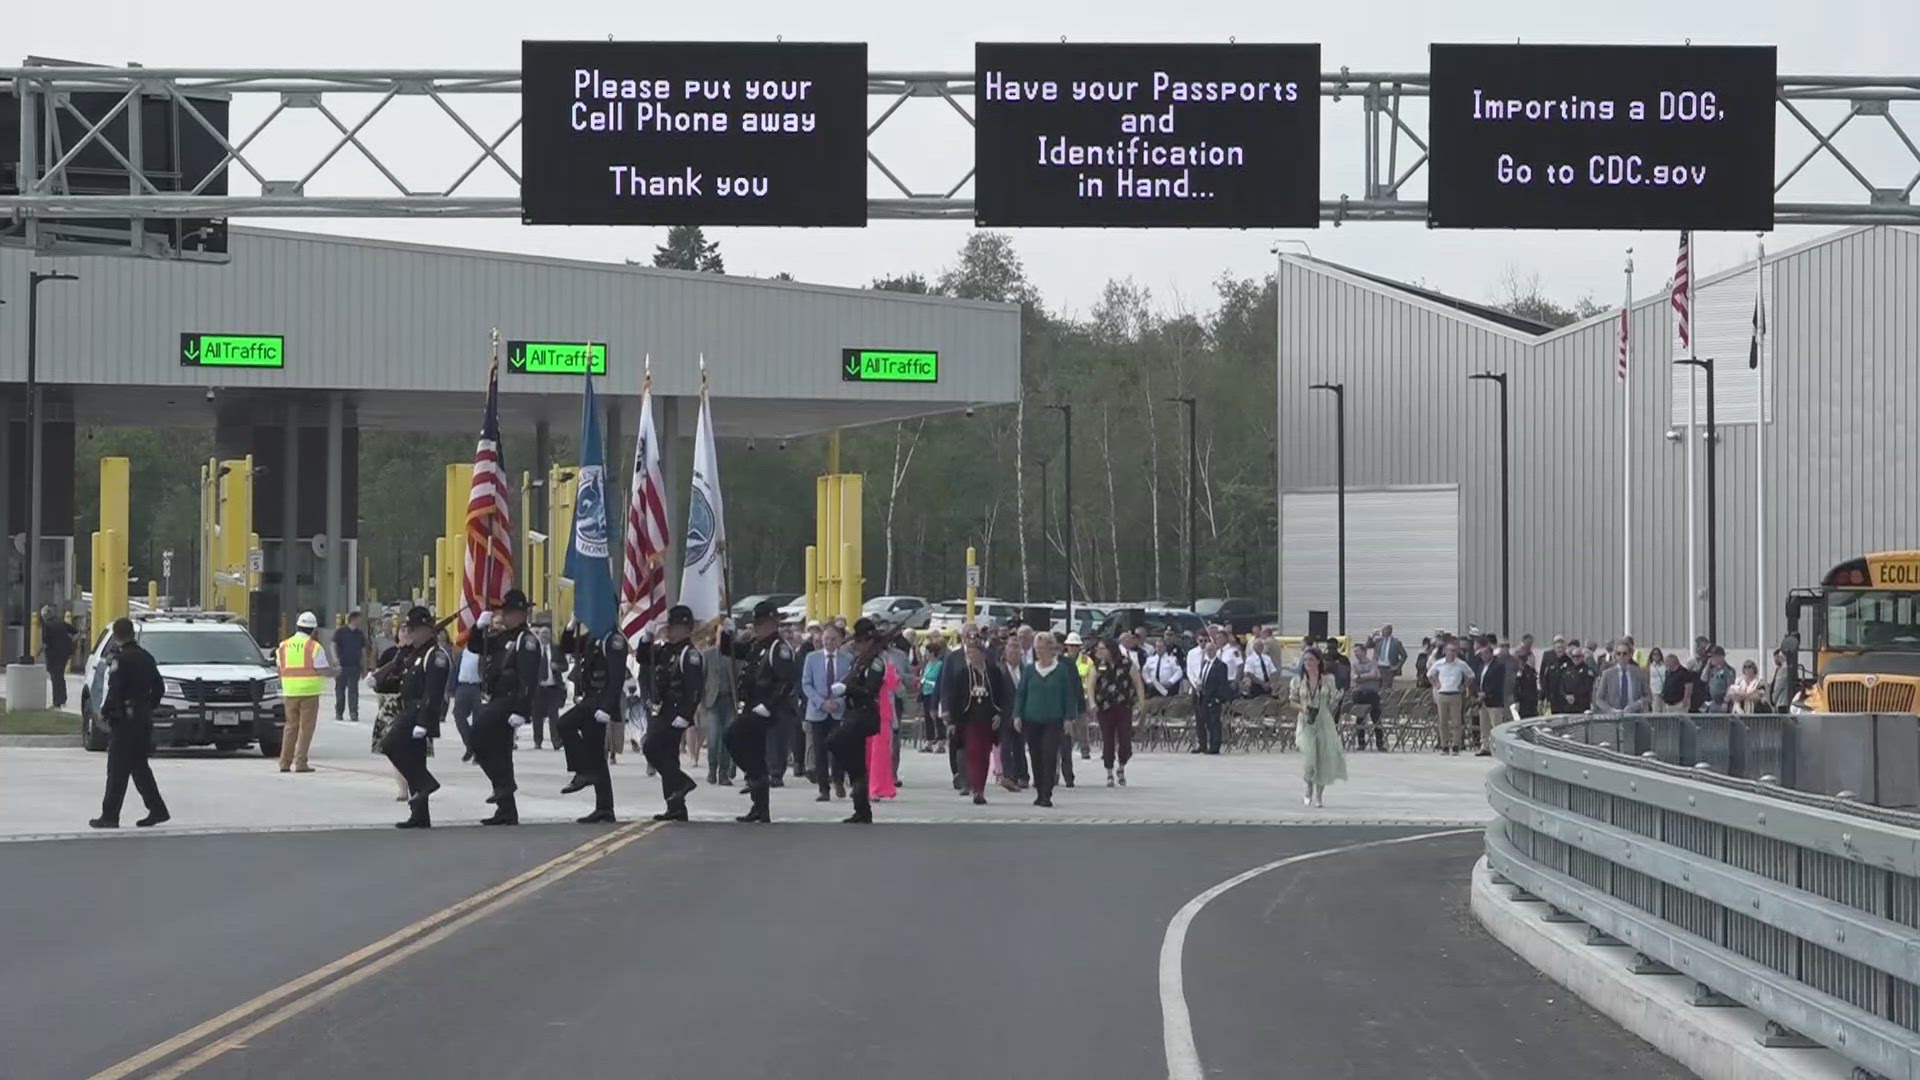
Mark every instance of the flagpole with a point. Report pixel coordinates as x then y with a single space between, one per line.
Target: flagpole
1626 473
1760 451
1693 406
486 578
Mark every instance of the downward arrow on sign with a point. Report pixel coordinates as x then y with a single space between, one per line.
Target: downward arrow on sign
853 366
192 351
517 359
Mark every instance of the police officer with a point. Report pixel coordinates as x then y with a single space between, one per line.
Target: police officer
133 689
678 677
861 720
600 681
509 676
424 668
769 674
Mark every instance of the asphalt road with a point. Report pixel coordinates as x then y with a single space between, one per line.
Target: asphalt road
805 951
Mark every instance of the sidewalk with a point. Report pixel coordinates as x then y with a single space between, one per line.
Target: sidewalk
50 792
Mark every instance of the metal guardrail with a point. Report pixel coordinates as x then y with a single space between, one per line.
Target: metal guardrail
1672 835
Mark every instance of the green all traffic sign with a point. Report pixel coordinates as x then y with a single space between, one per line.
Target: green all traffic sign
233 350
556 357
889 365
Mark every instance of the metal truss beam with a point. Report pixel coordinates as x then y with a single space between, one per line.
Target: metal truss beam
1814 111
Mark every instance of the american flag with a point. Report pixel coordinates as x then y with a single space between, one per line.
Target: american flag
1683 290
643 580
489 563
1620 349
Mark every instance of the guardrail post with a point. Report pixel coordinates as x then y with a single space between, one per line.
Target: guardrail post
1706 997
1689 742
1737 749
1642 736
1790 753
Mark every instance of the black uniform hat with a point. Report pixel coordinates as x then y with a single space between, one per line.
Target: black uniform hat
418 617
765 609
515 600
865 630
679 615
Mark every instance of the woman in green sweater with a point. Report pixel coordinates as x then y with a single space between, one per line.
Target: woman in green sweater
1051 694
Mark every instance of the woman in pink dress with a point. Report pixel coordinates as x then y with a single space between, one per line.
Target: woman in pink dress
880 746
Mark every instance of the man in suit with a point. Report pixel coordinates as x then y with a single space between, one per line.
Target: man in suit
1391 655
1622 688
824 667
1213 686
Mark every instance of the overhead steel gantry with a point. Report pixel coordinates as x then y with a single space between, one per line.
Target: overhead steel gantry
316 177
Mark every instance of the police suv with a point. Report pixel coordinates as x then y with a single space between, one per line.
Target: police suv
221 688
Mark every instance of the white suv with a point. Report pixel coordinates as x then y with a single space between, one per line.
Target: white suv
221 689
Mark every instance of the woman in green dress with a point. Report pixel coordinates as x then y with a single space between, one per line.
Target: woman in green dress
1315 695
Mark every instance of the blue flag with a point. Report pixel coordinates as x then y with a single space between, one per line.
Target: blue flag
587 562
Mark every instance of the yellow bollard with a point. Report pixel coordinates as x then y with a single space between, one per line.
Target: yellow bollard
813 582
153 595
973 568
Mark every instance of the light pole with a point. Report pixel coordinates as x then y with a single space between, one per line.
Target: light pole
1713 517
35 278
1506 510
1046 554
1339 392
1193 466
1066 420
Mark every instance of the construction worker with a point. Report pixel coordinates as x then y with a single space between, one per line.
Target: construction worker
303 678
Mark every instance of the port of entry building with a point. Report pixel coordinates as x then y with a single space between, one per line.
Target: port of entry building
1842 443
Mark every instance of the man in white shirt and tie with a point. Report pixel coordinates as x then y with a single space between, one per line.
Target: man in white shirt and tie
1163 671
1451 677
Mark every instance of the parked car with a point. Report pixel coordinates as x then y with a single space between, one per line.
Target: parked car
1184 626
1240 614
903 612
742 610
1086 619
950 616
220 687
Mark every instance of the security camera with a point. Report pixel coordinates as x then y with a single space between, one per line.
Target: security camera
783 444
969 410
209 393
752 446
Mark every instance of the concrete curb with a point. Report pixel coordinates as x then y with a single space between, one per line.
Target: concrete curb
40 740
1715 1043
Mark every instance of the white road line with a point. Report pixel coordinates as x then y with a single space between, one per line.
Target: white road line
1183 1058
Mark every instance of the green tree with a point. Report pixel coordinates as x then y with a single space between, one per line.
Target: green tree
1523 295
906 283
687 248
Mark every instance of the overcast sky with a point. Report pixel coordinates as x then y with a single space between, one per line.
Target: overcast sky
931 148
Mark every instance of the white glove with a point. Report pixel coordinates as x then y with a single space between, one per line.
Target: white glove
633 687
762 711
838 689
516 721
419 732
646 636
680 722
485 620
371 685
601 715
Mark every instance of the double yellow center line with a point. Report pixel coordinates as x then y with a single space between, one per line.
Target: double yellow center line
247 1021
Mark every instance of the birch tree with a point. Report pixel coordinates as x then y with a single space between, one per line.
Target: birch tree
901 463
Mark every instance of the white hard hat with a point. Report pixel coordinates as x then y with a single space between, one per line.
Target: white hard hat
1074 638
306 621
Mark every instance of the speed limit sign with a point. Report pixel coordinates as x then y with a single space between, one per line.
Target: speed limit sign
973 576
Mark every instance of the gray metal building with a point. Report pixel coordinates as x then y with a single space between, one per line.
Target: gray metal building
1842 445
393 335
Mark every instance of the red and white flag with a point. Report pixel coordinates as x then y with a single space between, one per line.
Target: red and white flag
1683 290
489 562
1620 349
643 579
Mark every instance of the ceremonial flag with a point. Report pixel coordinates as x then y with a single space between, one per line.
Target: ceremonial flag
489 557
587 553
1683 290
1620 349
643 580
703 584
1759 317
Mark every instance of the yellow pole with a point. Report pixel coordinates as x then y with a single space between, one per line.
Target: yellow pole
833 452
426 578
97 578
853 580
209 507
526 524
973 589
153 594
813 581
849 602
454 542
560 495
830 550
817 580
114 476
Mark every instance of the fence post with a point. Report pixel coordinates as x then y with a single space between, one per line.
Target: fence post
1737 748
1642 735
1689 743
1790 753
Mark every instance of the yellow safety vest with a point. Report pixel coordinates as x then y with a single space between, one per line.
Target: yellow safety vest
298 676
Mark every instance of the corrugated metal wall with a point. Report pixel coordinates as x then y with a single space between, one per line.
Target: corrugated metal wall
376 315
1844 452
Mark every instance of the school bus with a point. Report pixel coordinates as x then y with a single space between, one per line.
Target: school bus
1865 634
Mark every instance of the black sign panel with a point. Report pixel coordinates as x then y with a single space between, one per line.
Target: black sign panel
693 133
1223 136
1601 137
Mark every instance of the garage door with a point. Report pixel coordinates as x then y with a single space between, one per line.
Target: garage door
1403 559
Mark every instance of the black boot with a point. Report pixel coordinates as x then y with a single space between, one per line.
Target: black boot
598 817
154 817
675 811
507 813
862 808
103 823
759 811
580 782
419 819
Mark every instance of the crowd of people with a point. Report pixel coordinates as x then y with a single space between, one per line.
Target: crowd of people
1009 706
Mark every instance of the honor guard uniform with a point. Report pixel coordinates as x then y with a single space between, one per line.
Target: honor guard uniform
769 673
133 689
600 683
423 669
509 675
861 720
678 678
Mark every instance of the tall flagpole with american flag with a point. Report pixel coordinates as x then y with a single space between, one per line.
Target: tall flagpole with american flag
643 579
1683 325
1623 356
489 556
